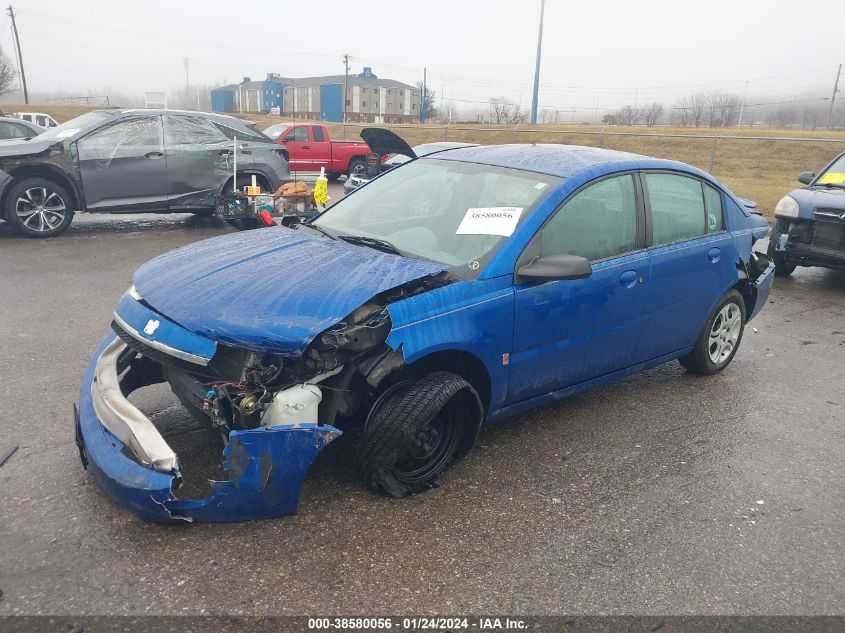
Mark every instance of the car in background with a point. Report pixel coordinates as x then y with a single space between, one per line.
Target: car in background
310 148
38 118
12 128
360 177
810 223
131 161
450 292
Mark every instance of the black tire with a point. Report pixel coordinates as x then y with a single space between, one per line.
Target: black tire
334 175
51 207
353 165
783 267
416 432
700 360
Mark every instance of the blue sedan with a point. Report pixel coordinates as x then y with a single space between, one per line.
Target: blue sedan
450 292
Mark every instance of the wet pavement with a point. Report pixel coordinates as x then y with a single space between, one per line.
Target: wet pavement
664 493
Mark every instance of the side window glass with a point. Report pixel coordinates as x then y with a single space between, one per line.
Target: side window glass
41 120
299 134
319 137
21 131
598 222
7 130
713 206
132 137
190 130
677 207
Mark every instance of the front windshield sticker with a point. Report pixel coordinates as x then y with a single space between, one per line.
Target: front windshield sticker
490 221
67 133
832 178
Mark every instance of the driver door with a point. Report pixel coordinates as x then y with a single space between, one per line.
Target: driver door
299 149
122 166
570 331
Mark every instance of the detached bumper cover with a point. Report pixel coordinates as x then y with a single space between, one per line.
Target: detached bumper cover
266 466
762 287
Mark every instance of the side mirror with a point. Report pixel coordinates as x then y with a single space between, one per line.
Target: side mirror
806 177
556 267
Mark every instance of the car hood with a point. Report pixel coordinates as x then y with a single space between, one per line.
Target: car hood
20 147
270 290
809 199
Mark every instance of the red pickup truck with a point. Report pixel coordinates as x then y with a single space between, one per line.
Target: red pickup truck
309 148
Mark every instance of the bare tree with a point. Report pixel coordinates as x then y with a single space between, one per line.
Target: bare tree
504 111
782 116
8 74
428 95
722 108
651 113
690 110
812 117
628 115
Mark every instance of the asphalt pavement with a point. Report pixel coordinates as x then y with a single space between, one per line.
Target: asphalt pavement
665 493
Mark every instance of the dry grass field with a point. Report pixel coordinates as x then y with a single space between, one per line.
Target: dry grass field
762 169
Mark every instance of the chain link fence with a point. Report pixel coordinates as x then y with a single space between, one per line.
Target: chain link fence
756 166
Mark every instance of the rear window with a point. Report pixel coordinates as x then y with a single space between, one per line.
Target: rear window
249 133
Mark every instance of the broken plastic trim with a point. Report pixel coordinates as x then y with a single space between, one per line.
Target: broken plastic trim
266 468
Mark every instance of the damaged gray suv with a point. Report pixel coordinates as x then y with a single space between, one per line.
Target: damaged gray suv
131 161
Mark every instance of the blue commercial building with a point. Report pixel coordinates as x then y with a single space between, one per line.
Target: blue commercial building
368 98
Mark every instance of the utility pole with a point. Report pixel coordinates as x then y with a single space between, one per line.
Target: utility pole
20 55
423 100
187 61
537 66
832 97
345 85
742 107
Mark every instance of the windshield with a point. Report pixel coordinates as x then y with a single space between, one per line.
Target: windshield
835 174
274 130
446 211
74 126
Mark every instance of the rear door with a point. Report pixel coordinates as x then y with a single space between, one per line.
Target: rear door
321 148
199 161
122 166
691 259
570 331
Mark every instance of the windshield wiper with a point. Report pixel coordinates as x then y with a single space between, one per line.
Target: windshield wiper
372 242
316 228
830 185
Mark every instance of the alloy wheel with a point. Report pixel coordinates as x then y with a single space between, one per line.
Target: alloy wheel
724 333
40 209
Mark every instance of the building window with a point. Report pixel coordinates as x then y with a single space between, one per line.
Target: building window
401 93
363 104
348 102
413 106
389 105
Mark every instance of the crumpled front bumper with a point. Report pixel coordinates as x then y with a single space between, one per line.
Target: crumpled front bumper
266 466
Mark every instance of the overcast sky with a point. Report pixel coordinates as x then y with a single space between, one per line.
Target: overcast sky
603 50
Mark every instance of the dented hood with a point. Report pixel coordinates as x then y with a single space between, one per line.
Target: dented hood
272 289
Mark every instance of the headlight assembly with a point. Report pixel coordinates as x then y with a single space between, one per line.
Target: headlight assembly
787 208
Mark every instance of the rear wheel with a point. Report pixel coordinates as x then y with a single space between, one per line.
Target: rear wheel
37 207
416 432
720 338
334 175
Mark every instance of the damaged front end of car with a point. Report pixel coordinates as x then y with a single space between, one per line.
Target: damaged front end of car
274 412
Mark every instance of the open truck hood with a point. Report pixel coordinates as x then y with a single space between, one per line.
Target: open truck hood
383 142
270 290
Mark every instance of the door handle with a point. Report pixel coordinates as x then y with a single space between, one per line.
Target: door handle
306 147
630 278
153 155
714 254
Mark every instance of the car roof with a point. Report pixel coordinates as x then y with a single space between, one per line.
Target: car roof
223 118
559 160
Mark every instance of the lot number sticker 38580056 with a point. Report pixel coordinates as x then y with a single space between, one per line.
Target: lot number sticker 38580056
490 221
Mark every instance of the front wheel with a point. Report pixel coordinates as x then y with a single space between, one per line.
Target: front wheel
783 267
416 432
720 338
37 207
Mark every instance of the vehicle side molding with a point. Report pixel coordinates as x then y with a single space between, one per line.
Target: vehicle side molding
549 267
806 177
